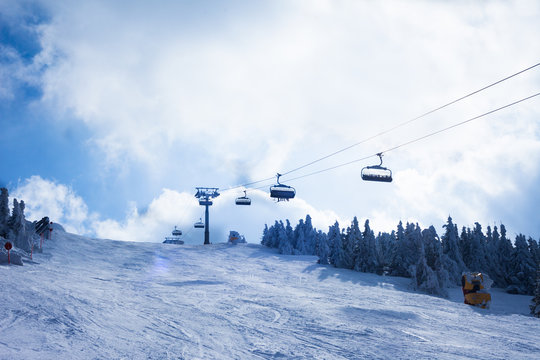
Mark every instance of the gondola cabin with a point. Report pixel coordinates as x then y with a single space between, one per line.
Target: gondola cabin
376 173
282 192
199 225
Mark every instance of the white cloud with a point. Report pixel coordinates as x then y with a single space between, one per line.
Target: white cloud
57 201
172 208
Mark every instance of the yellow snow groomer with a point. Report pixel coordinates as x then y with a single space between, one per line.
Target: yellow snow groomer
475 288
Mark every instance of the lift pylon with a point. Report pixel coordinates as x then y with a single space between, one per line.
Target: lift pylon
205 196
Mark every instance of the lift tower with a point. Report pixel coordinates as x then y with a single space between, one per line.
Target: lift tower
205 196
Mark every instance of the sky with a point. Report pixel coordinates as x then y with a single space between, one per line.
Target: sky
113 112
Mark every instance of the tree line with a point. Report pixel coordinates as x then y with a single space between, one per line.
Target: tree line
433 263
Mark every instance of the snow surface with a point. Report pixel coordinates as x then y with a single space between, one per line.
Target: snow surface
99 299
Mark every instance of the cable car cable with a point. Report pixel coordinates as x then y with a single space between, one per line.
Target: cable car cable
389 130
412 120
417 139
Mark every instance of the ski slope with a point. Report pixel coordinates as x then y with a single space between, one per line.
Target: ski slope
100 299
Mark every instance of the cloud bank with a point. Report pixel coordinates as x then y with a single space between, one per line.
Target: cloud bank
170 208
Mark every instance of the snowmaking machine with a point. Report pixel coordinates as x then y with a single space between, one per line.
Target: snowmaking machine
475 288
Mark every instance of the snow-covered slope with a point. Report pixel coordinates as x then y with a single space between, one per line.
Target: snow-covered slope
101 299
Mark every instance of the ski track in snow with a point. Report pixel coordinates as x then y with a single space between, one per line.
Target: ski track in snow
101 299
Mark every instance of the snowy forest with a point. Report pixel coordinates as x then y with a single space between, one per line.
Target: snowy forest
432 263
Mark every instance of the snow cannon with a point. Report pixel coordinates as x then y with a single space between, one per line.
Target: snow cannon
475 288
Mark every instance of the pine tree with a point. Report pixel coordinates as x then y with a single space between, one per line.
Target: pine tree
264 238
335 239
403 255
522 268
348 247
289 232
494 260
4 212
478 250
386 244
323 251
435 258
371 259
504 253
453 262
357 248
309 237
535 306
284 243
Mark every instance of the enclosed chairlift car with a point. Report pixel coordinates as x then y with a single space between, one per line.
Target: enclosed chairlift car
243 200
282 192
377 172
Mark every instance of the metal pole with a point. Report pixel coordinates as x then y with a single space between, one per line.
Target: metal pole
206 225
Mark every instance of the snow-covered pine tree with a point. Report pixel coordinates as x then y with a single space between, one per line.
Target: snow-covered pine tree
522 268
17 226
453 262
465 246
505 250
289 231
534 249
357 247
264 238
370 259
535 306
495 267
309 237
478 250
348 247
423 276
298 240
284 243
400 258
323 251
435 258
274 238
335 239
4 212
385 249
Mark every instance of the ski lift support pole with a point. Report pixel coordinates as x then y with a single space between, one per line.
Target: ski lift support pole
207 194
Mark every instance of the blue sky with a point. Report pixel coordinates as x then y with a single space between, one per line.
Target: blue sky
113 112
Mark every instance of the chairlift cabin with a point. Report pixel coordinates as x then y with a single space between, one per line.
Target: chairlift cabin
175 239
282 192
199 224
243 200
377 172
176 232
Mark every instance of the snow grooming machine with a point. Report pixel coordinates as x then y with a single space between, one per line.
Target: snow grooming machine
377 172
475 286
282 192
